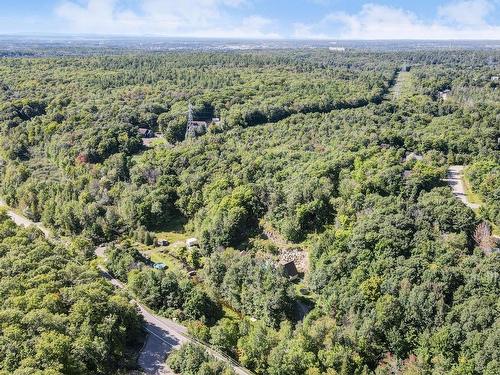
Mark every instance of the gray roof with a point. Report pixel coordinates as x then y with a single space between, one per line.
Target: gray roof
290 269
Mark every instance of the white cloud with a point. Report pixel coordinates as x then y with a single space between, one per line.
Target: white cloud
98 16
468 12
194 18
384 22
304 31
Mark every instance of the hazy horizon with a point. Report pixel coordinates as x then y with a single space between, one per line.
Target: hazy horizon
180 37
256 19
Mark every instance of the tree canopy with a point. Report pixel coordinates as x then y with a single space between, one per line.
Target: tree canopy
338 157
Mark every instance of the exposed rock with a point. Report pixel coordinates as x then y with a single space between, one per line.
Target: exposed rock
298 256
288 252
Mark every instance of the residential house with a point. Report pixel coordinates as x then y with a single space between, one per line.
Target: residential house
146 133
444 95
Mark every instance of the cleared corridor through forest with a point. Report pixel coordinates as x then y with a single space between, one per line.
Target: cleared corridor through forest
455 180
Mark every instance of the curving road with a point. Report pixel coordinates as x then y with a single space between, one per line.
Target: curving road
22 220
164 335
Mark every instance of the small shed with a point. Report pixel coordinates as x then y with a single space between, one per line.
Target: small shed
192 242
290 270
444 94
162 242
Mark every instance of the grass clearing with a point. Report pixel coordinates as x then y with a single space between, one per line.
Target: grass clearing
173 231
231 314
403 86
473 197
476 198
159 257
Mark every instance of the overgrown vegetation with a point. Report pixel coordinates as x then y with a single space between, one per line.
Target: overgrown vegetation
58 316
192 360
307 148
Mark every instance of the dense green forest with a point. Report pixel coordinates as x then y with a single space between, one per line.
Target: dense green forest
329 154
57 315
190 359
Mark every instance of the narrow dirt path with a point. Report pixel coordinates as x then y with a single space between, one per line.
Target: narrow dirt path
455 180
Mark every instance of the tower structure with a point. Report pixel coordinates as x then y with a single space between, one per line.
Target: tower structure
190 131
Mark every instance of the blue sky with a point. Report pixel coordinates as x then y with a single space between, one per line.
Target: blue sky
300 19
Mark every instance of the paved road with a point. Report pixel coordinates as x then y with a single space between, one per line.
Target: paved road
455 180
163 337
163 334
23 221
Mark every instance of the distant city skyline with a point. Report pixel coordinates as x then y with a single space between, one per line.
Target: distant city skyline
256 19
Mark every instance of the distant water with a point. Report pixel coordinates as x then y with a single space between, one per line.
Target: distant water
19 45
